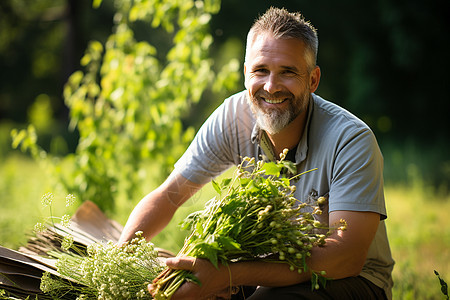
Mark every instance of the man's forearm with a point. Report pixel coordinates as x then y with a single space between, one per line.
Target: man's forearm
151 215
329 259
156 209
265 274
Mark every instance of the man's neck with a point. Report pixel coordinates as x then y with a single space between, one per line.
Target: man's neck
290 136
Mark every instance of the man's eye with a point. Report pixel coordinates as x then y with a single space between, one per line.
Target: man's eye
260 71
289 72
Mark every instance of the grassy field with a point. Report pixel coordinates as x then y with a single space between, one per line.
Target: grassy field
418 224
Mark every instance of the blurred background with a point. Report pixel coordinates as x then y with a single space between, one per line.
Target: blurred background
385 61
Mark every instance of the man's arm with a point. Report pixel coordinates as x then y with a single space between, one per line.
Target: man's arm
342 256
156 209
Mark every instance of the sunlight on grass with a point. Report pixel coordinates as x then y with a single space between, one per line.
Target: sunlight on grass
419 232
20 192
22 185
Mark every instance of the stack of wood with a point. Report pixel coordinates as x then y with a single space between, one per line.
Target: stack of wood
21 271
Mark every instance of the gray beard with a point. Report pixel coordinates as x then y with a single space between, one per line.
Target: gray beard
276 120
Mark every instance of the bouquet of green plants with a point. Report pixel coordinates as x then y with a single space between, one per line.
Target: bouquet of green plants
108 271
254 217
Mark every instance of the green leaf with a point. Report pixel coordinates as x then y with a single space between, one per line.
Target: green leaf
208 250
271 168
272 187
225 183
199 228
189 221
252 187
192 278
230 208
216 186
290 166
96 3
244 181
228 243
285 181
236 230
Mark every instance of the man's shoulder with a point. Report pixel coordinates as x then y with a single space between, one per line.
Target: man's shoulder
238 99
236 105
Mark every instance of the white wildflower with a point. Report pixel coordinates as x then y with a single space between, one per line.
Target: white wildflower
67 242
70 199
65 220
47 199
39 227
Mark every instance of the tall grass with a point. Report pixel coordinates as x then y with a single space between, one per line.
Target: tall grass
419 232
22 184
418 223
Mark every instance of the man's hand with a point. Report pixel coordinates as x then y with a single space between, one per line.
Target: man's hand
215 283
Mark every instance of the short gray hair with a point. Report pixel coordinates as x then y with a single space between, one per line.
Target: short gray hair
282 24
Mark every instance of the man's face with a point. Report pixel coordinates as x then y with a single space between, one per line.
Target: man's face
278 81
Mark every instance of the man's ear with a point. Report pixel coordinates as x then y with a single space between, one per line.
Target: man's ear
314 79
245 76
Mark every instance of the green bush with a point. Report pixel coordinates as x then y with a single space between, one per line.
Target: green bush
127 105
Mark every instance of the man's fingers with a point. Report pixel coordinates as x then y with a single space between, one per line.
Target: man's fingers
150 289
181 263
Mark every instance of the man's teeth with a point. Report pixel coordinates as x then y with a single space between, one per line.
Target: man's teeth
274 101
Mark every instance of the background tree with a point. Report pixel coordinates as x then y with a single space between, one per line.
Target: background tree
128 104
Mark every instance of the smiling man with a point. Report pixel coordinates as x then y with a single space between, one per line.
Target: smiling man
279 110
279 80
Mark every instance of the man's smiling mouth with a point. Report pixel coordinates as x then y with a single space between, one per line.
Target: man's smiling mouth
274 101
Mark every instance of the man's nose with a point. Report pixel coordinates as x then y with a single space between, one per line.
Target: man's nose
272 84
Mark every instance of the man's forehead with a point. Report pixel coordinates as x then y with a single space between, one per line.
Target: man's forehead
266 42
254 38
265 49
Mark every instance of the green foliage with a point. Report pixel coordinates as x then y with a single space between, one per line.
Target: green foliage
127 105
40 113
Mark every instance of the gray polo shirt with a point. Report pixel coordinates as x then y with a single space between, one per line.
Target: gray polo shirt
342 148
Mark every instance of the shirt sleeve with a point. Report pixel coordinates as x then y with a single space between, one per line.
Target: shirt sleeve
357 176
209 154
